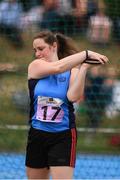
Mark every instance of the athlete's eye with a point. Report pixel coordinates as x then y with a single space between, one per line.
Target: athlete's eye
41 48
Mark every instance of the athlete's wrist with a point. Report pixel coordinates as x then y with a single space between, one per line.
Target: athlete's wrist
87 54
85 66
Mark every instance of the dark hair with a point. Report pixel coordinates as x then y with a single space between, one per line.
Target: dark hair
66 46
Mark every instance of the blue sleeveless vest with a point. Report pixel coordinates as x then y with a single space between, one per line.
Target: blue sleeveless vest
50 110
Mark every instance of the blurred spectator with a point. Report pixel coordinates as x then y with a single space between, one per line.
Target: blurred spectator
82 10
113 10
50 18
92 7
10 14
67 19
101 95
57 16
65 7
31 18
93 102
99 29
42 16
113 108
29 4
80 14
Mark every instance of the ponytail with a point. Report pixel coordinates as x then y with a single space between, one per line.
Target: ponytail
66 46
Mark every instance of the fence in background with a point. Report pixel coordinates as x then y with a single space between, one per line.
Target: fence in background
95 26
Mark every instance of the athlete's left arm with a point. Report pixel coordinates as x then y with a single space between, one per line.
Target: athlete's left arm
77 82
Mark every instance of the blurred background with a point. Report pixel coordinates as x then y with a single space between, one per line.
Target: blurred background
94 25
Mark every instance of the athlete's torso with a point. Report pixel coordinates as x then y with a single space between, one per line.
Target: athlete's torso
50 110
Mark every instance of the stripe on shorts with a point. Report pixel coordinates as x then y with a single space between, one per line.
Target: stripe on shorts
73 148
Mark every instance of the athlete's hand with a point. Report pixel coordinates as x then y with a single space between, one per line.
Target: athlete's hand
95 58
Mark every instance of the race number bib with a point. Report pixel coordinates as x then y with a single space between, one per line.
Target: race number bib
49 109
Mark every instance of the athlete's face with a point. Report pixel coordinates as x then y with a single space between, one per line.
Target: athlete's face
43 49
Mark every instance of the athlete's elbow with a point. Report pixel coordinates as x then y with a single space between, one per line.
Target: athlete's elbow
72 98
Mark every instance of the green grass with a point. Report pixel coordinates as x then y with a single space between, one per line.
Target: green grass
9 112
13 140
105 122
96 143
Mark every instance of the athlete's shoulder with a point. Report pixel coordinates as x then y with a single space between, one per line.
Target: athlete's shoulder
37 62
38 68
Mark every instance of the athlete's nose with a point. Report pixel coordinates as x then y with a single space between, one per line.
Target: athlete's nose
39 54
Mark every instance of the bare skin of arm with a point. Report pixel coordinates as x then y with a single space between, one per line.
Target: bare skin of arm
77 82
40 68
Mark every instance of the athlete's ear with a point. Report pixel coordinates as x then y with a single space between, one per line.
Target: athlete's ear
55 45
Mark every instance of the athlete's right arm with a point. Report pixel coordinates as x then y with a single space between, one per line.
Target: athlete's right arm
40 68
